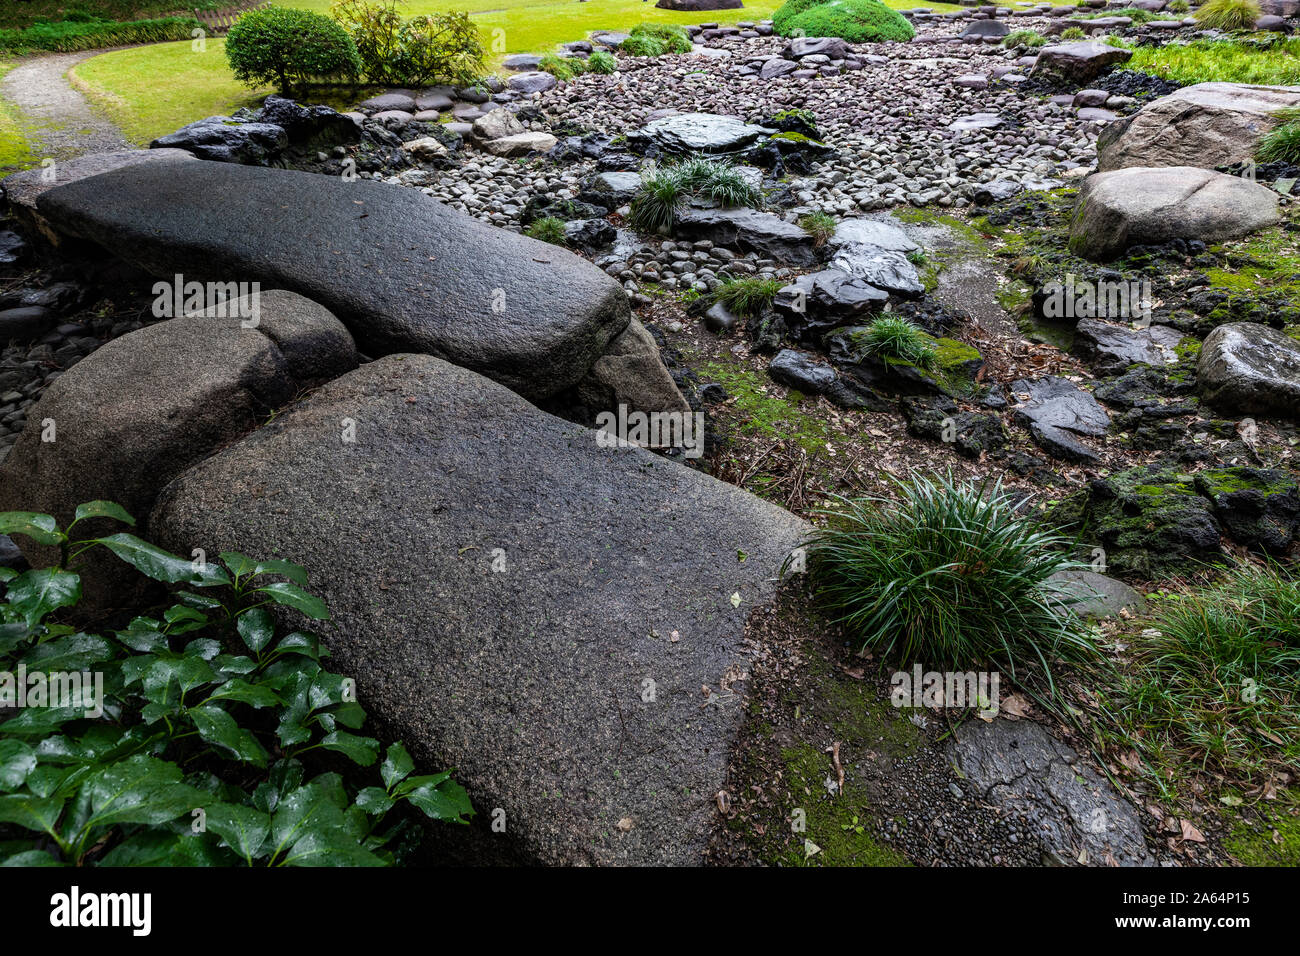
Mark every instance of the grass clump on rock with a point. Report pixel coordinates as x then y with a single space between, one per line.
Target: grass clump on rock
858 21
547 229
893 337
655 207
818 225
1026 38
1282 143
949 574
1228 14
1073 33
601 61
748 296
563 68
656 39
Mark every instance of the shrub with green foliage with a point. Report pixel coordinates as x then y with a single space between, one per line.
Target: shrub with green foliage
288 47
394 51
951 574
858 21
747 296
547 229
894 337
1228 14
90 33
199 713
601 61
1282 142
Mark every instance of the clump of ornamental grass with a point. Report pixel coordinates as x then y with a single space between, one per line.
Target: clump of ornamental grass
662 194
748 296
547 229
950 574
894 337
1282 142
563 68
818 225
1073 33
1228 14
601 61
655 207
1026 38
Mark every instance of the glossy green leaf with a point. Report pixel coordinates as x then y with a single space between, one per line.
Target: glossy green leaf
36 593
140 789
31 812
361 750
41 528
256 695
243 828
17 761
31 858
102 509
444 801
374 801
162 565
257 627
292 596
397 765
220 729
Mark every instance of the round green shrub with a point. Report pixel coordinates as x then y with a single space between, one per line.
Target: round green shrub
284 46
788 11
858 21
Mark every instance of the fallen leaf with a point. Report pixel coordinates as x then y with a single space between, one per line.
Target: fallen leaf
625 824
1190 832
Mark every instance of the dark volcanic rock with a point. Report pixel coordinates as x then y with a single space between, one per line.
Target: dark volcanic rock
404 273
1251 368
577 666
226 140
1258 507
1056 410
751 231
817 302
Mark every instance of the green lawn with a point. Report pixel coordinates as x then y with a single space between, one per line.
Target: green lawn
153 90
14 152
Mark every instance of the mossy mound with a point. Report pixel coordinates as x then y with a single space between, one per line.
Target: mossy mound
858 21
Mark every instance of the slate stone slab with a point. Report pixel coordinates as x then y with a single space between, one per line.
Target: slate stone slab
403 272
1250 367
751 231
698 132
620 569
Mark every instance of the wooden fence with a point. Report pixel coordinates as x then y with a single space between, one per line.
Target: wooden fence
219 22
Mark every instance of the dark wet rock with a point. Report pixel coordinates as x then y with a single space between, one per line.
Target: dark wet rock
1056 411
589 235
1144 388
10 555
937 418
986 28
953 373
522 62
591 657
630 373
13 247
1252 368
750 231
718 318
144 407
544 207
26 323
224 140
697 133
1074 64
885 269
1257 507
1076 816
1135 206
309 127
1148 520
801 371
1095 595
817 302
403 272
534 82
610 189
996 191
1113 348
390 101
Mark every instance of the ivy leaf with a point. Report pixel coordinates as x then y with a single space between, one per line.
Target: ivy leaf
374 801
7 574
285 777
40 721
397 765
140 789
102 509
219 728
290 595
31 812
360 750
446 800
300 642
294 572
34 594
257 627
243 828
42 529
13 634
186 672
183 618
304 810
256 695
17 760
162 565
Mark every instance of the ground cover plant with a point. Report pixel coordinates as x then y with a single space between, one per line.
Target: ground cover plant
858 21
194 743
71 36
1271 62
663 192
1228 14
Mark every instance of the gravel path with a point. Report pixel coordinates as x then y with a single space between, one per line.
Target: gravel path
58 120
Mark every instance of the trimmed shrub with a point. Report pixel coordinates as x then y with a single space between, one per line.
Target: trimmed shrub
288 47
90 33
1228 14
858 21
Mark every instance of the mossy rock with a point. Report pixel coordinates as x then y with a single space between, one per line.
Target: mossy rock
1276 843
1149 520
1257 507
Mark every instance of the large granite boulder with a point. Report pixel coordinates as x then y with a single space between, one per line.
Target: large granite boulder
697 133
561 622
1075 64
403 272
630 374
146 406
24 188
1249 367
1209 124
1139 206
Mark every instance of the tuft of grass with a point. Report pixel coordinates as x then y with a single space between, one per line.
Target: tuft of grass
655 207
1273 62
1073 33
747 297
818 225
547 229
950 574
1178 6
1215 679
1024 38
563 68
1228 14
894 337
1282 143
601 61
